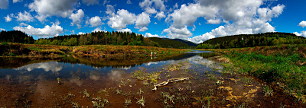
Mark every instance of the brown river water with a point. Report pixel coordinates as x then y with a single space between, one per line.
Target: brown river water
190 81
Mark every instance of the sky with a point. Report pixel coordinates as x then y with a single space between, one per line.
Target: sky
193 20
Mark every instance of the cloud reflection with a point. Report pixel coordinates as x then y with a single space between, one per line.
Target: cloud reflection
47 66
116 74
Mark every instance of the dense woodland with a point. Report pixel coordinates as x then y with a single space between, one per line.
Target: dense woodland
15 37
251 40
95 38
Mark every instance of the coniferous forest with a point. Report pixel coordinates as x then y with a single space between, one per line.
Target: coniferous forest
95 38
15 37
251 40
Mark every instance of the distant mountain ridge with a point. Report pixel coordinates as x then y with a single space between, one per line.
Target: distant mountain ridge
173 43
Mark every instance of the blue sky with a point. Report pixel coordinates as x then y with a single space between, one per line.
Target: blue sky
193 20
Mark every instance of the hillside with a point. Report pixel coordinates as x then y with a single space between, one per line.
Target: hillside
173 43
251 40
97 38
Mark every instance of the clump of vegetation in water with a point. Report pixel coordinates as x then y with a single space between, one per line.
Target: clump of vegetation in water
127 102
142 75
75 105
141 101
59 80
246 80
86 94
268 91
167 97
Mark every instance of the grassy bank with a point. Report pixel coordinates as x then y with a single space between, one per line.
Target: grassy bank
282 66
103 51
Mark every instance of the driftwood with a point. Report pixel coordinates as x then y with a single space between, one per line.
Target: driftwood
168 81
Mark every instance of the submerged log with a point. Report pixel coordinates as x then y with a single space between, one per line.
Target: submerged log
168 81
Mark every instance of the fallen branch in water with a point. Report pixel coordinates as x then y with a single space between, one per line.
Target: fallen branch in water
169 80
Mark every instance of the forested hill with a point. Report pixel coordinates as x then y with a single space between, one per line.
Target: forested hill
97 38
15 36
251 40
173 43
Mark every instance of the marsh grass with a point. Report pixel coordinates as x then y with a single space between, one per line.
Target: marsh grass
268 91
271 68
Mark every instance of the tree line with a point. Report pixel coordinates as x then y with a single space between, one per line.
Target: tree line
15 37
251 40
98 38
94 38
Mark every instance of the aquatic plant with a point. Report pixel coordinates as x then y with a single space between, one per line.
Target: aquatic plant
118 91
105 101
141 101
168 97
268 91
71 95
246 80
140 91
75 105
97 104
86 94
127 102
145 82
101 91
58 80
141 75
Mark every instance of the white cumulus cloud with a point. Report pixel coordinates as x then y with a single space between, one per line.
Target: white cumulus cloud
77 18
303 33
181 33
4 4
98 30
143 29
302 24
47 31
150 6
15 1
95 21
151 35
25 16
142 21
239 16
121 19
8 18
47 8
125 30
160 15
150 10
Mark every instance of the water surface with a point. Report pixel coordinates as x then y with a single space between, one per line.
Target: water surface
92 82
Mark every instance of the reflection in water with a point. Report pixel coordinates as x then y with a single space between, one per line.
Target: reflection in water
47 66
148 64
8 77
24 78
94 75
101 79
203 61
75 78
116 74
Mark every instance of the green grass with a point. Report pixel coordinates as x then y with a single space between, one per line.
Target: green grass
272 69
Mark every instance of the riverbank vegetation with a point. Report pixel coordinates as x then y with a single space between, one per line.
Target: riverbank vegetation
102 51
282 66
